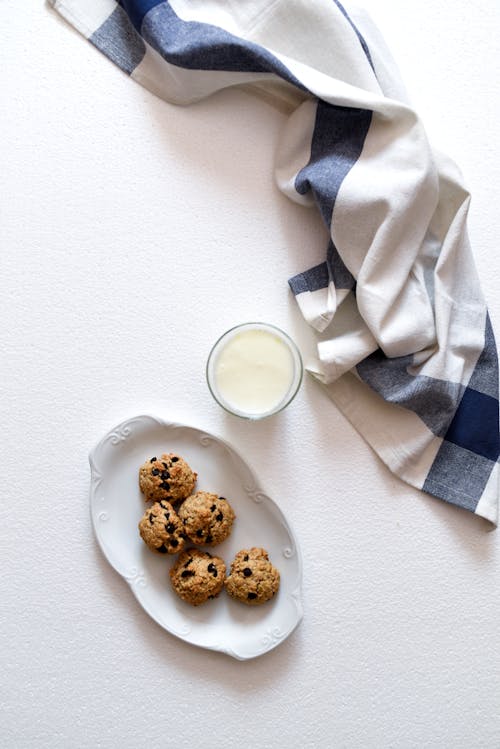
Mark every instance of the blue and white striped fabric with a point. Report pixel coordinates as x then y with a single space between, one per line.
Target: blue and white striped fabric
406 349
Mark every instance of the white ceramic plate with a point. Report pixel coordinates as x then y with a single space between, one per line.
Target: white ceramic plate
117 506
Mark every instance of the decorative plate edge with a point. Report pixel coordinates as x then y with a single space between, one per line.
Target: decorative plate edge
269 641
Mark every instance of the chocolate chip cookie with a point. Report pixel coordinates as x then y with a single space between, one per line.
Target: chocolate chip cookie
197 576
167 477
161 529
253 579
207 518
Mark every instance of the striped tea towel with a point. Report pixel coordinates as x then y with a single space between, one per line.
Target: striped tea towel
406 346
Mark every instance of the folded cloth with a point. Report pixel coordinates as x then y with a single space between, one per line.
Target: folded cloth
406 347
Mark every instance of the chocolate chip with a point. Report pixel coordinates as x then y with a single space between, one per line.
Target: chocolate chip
174 459
170 528
252 596
162 549
188 562
209 539
151 518
213 569
165 475
174 542
247 571
245 558
167 515
212 508
165 465
165 485
155 471
219 516
153 459
199 533
187 573
223 499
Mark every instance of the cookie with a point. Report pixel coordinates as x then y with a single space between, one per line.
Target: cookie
161 529
167 477
207 518
253 579
197 576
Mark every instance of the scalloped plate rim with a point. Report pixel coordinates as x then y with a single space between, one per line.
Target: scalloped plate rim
96 476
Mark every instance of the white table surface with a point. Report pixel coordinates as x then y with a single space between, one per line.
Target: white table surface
133 233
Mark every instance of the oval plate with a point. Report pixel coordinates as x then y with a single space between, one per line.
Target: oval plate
117 506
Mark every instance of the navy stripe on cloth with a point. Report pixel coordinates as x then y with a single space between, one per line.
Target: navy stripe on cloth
338 139
137 9
458 476
466 418
485 375
362 41
200 46
475 425
118 39
310 280
320 276
461 414
434 401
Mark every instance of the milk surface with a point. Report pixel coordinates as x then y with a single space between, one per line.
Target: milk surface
254 371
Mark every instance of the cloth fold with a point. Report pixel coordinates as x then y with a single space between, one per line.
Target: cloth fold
407 350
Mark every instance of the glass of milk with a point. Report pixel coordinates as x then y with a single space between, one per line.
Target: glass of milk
254 370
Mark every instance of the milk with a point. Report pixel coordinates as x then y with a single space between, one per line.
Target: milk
254 370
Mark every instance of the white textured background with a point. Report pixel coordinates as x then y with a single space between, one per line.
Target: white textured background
132 234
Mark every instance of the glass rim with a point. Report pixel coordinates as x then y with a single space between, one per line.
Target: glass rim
297 377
